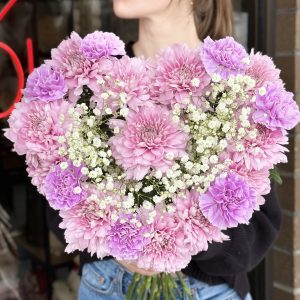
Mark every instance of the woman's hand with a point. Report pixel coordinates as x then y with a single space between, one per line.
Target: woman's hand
132 267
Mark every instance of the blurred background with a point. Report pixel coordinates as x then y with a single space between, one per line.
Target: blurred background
33 264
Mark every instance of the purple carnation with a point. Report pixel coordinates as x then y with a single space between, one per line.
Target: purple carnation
224 57
276 108
126 239
45 84
63 186
228 202
102 44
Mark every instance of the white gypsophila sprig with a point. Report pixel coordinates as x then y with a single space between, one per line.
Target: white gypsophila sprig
87 145
211 128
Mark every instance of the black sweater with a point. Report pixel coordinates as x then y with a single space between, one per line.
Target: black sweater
228 261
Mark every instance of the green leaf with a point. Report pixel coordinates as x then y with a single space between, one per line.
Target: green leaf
274 174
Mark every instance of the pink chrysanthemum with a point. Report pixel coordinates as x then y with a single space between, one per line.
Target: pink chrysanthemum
130 82
35 127
38 167
263 152
197 229
180 76
86 226
76 68
166 250
146 141
262 69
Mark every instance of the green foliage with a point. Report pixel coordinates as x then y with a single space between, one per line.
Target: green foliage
274 174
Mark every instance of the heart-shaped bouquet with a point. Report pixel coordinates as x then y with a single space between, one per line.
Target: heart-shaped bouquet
149 160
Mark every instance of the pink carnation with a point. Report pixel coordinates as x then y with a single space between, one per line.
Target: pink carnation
35 127
86 226
180 75
263 152
145 140
276 108
76 68
257 179
197 229
38 167
224 57
60 185
262 69
166 251
102 44
228 202
45 84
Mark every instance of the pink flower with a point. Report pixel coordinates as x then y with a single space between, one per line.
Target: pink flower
228 202
224 57
257 179
35 127
180 75
38 167
61 184
197 229
145 140
76 68
131 79
86 226
45 84
263 152
102 44
126 239
262 70
276 108
166 250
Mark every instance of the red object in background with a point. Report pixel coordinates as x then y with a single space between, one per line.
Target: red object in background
16 61
30 56
20 73
6 8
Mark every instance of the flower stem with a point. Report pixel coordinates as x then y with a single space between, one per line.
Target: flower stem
153 287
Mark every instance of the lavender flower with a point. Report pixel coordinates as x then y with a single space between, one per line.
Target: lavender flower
63 186
126 239
45 84
228 202
102 44
224 57
276 108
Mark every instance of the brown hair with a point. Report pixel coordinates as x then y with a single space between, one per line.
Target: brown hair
213 18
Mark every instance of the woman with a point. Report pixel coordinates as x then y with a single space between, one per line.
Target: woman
221 272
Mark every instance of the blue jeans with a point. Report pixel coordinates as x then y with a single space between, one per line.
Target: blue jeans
108 280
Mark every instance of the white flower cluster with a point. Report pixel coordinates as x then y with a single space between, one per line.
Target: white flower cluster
87 145
109 96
